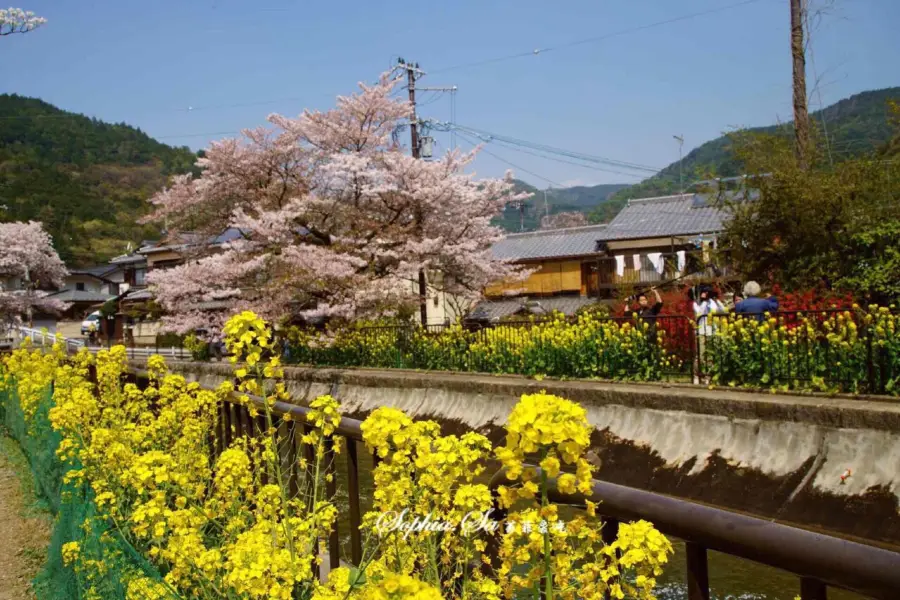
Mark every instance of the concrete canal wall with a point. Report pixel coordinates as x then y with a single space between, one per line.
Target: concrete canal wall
775 456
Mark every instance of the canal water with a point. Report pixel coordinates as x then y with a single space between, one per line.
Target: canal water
730 578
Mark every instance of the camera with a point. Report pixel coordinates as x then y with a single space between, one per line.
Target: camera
695 292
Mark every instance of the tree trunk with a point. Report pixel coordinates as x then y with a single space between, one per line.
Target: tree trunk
801 113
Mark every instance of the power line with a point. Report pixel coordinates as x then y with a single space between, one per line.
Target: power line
554 150
533 52
511 164
194 135
590 40
568 162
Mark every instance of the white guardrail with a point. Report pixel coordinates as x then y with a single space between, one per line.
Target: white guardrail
40 338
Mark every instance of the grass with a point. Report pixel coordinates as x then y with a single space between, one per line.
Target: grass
26 532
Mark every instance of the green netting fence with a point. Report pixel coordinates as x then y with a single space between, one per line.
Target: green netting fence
108 561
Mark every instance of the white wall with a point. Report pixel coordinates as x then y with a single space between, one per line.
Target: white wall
91 284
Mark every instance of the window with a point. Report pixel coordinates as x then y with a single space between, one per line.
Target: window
114 289
79 286
139 276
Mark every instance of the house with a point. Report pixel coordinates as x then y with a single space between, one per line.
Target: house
650 242
129 270
174 249
654 240
85 290
559 258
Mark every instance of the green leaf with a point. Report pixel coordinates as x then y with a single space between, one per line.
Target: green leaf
356 578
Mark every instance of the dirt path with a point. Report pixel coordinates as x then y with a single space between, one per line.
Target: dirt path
24 526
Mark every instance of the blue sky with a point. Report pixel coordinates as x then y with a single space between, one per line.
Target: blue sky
235 61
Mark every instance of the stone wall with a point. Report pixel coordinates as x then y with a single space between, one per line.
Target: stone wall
775 456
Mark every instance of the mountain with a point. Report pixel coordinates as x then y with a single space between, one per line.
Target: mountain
86 180
855 125
583 199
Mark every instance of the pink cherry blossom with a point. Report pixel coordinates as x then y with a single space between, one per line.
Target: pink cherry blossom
27 255
16 20
336 219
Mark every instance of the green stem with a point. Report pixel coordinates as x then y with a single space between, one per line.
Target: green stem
275 465
548 575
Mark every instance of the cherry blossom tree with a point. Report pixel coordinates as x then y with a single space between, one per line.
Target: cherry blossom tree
335 219
28 265
16 20
563 220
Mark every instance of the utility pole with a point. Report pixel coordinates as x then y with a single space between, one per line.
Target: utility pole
412 70
680 139
452 89
546 205
801 112
28 310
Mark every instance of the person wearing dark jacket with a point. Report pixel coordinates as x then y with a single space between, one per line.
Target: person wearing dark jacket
645 310
753 304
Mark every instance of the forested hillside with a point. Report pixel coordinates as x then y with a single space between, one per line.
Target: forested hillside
86 180
574 199
852 126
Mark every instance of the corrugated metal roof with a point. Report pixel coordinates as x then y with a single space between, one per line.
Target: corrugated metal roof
550 243
490 310
687 214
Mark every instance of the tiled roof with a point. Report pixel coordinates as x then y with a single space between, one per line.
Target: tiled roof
489 310
184 239
98 271
549 243
127 259
228 235
687 214
80 296
137 295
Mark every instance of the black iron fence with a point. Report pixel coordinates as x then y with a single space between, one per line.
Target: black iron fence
834 350
614 348
852 351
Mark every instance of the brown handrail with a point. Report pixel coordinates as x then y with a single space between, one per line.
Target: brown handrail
818 559
349 428
838 562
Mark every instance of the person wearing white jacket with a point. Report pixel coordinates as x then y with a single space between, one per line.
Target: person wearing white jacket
704 307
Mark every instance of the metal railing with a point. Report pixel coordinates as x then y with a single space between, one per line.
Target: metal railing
808 360
818 560
46 339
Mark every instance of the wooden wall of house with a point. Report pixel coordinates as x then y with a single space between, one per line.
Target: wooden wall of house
550 278
163 258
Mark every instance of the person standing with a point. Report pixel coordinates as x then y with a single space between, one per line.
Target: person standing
706 305
753 304
645 310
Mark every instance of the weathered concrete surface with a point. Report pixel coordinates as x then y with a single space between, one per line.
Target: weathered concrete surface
776 456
